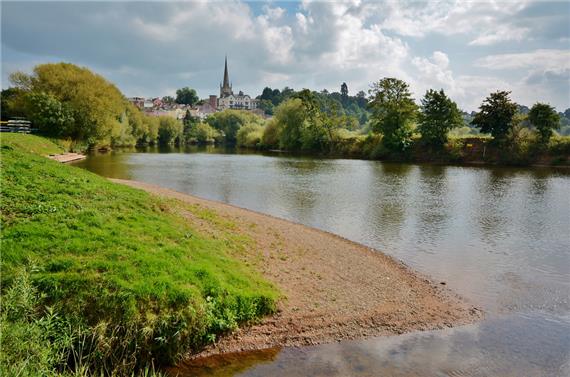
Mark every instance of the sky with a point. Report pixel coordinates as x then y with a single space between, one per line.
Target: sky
150 49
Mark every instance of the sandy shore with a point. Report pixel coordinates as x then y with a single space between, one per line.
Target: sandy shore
334 289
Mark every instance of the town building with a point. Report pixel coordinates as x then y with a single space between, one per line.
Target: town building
229 100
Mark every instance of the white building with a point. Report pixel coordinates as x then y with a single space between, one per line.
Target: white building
229 100
240 102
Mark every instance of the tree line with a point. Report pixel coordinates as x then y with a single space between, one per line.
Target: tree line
66 101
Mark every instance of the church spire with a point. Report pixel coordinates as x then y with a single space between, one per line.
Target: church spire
226 76
226 88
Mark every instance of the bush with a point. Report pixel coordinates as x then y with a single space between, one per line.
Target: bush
203 133
271 134
169 130
250 136
228 122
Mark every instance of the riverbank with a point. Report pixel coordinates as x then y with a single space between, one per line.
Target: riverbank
461 151
334 289
102 279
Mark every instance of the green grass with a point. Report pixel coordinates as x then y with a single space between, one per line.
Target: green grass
121 268
31 143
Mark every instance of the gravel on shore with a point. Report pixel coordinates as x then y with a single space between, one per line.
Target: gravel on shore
334 289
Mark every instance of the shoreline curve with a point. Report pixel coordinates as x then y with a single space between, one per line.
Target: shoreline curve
335 289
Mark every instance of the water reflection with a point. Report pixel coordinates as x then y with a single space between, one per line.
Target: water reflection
516 345
498 236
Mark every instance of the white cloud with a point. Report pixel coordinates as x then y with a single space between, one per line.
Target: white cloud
543 59
502 33
150 48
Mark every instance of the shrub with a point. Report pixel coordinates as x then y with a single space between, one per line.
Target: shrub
169 130
250 135
271 134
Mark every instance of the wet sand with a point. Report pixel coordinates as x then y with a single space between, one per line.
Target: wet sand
334 289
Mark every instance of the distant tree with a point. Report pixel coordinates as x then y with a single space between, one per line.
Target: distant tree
438 115
567 113
393 111
267 106
169 100
289 120
545 119
361 99
151 125
169 130
138 127
190 122
186 96
266 94
228 122
495 115
344 90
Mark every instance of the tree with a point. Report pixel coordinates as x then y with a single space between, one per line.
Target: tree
170 130
169 100
495 115
289 119
228 122
439 115
545 119
138 127
201 133
393 111
96 104
344 90
12 103
48 114
186 96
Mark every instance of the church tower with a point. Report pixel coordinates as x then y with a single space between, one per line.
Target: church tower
226 88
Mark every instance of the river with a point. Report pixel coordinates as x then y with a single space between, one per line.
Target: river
498 236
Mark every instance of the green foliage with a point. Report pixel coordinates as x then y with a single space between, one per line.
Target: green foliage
495 115
393 112
290 118
48 114
186 96
12 103
151 126
350 106
122 269
170 130
439 115
271 134
545 119
202 133
95 104
169 100
250 135
228 122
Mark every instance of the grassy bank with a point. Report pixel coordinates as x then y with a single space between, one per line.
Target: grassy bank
108 278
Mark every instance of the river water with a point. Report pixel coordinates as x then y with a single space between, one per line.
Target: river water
498 236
